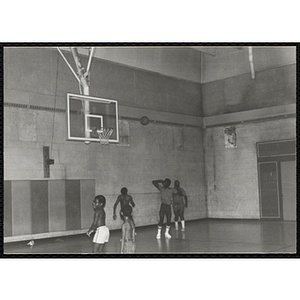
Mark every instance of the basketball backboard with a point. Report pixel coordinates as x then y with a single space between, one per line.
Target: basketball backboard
86 116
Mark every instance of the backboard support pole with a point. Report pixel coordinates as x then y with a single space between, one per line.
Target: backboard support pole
83 77
66 61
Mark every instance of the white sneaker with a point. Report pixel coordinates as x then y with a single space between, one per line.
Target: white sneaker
182 229
158 236
167 236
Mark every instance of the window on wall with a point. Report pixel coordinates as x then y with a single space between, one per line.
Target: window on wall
277 148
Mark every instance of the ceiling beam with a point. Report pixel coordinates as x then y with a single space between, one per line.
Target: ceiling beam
206 50
213 50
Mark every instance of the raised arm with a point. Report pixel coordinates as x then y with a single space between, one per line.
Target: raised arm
156 183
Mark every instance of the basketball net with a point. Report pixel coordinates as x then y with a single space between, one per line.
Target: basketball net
104 135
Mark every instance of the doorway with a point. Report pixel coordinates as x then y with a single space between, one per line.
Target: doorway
277 180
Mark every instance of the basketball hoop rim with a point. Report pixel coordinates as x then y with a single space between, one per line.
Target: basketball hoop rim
104 135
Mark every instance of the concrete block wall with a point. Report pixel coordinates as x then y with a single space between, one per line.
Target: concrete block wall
39 76
157 159
151 155
232 62
34 114
272 87
231 174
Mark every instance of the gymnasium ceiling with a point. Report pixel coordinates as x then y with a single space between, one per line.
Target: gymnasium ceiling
196 63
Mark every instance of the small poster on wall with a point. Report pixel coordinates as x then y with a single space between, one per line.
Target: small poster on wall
230 137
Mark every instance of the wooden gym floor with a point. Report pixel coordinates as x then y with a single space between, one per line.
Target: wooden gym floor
206 236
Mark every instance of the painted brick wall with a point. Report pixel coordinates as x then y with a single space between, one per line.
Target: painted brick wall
231 174
152 154
272 87
229 62
39 76
32 79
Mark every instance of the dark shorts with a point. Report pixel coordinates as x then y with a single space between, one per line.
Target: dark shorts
178 208
165 208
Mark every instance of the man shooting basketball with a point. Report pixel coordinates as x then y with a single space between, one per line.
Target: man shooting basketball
165 209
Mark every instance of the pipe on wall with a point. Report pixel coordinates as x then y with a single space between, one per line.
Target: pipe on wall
251 62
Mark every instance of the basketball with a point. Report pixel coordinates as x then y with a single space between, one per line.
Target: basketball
144 120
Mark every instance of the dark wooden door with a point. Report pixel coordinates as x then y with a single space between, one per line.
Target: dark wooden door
269 194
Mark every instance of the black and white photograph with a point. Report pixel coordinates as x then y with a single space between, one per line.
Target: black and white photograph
149 149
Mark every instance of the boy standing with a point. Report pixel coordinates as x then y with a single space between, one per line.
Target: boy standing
179 203
102 232
128 231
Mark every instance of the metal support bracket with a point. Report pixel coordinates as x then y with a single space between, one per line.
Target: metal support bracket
83 77
47 162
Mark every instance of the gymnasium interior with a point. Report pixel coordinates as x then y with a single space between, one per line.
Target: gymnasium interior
221 119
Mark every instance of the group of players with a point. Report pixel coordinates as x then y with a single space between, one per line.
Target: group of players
175 196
